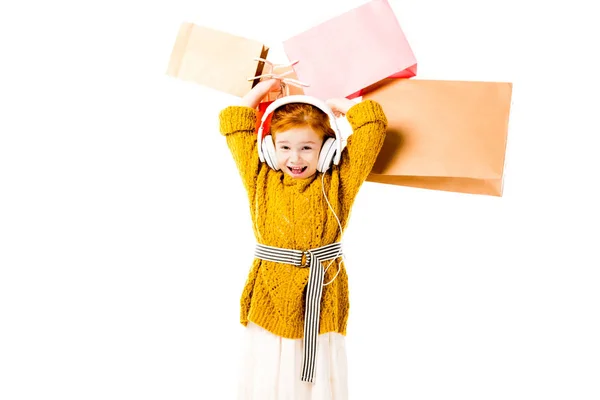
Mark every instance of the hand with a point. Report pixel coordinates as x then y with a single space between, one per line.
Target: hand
258 92
340 106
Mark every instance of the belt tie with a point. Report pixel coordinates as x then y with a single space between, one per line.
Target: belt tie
311 259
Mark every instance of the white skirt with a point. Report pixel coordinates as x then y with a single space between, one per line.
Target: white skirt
271 367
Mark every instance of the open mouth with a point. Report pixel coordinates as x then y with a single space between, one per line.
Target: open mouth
297 170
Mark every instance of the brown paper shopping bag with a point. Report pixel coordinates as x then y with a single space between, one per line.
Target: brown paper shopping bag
443 135
216 59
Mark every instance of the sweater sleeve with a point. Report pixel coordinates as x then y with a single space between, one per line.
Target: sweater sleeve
369 125
237 124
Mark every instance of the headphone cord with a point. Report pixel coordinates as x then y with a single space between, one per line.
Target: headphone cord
341 233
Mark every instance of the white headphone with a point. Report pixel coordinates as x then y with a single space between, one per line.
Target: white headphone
331 150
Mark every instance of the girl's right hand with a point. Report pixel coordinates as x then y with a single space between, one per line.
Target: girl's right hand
258 92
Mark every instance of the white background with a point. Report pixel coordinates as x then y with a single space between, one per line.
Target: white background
125 238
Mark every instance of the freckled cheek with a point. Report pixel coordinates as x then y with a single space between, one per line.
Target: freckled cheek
314 159
281 157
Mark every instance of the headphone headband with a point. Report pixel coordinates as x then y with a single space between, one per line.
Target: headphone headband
320 104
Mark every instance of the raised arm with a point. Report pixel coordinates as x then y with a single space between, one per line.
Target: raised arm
238 125
369 125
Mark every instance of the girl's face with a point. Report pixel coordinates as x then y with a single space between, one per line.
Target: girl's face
297 151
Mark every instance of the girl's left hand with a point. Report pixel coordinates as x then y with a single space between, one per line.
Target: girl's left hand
340 106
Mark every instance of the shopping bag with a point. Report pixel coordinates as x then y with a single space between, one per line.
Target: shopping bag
216 59
289 83
443 135
340 57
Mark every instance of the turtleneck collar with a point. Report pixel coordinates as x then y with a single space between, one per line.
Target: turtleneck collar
299 183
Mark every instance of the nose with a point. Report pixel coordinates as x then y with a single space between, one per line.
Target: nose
295 156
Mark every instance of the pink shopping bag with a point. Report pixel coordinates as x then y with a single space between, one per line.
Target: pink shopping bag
340 57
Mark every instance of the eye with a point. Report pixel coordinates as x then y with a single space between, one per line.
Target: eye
283 147
307 148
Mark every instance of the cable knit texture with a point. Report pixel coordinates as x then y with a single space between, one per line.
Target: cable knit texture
292 213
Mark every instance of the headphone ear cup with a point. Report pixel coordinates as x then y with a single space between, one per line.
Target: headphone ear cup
326 155
268 149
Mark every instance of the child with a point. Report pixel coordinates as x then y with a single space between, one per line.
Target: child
295 310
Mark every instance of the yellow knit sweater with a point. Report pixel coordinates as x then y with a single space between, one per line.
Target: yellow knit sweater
292 213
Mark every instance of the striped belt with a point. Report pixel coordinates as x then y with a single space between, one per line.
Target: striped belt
312 259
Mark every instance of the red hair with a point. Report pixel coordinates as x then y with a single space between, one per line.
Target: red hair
294 115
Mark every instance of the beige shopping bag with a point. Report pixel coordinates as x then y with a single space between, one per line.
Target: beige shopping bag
216 59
